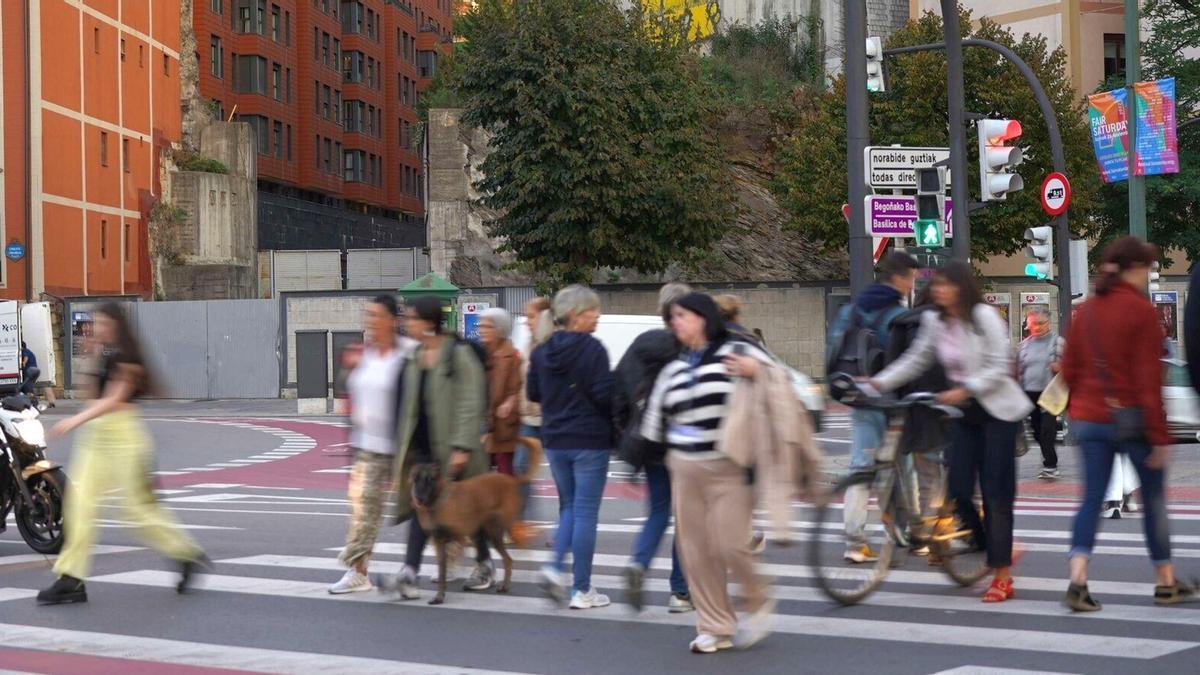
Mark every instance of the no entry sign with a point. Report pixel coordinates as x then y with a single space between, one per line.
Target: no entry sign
1056 193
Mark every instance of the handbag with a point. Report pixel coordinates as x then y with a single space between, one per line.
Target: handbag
632 448
1055 396
1130 422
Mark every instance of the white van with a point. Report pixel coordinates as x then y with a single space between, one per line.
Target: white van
618 331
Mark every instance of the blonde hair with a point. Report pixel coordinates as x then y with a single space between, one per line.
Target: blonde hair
730 306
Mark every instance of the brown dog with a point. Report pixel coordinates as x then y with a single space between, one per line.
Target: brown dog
455 510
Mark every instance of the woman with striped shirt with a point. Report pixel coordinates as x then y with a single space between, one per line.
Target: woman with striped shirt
714 497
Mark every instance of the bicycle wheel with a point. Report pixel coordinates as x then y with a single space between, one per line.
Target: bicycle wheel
962 558
841 579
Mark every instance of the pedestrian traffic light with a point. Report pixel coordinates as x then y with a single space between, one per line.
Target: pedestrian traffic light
997 158
875 78
931 207
1155 276
1041 250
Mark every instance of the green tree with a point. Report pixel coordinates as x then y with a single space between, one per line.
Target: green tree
602 151
811 183
1172 200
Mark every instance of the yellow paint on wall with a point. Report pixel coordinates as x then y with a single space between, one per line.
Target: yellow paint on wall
704 14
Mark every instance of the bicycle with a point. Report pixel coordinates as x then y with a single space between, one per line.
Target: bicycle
896 507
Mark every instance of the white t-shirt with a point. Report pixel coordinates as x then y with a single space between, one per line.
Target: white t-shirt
372 387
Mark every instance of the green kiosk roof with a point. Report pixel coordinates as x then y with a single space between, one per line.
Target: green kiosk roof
429 284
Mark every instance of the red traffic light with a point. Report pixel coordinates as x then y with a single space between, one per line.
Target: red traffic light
999 131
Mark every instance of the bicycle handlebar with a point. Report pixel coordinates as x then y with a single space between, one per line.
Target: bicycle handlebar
862 393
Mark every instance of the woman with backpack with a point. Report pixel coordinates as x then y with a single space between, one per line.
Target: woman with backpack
570 377
441 414
635 376
967 337
1113 370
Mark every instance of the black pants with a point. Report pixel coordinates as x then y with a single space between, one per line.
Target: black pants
984 448
1045 430
416 545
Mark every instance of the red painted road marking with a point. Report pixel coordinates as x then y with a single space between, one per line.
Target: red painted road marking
62 663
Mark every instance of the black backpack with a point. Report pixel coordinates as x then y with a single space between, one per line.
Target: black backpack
859 349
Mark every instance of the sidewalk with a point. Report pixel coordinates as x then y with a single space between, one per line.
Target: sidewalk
264 407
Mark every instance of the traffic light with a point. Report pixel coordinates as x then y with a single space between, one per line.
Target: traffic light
997 159
1079 268
931 207
1041 250
1155 276
875 79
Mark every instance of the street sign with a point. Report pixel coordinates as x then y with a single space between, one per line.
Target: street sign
896 167
895 215
14 251
1056 193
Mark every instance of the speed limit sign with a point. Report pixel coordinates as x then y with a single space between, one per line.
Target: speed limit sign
1056 193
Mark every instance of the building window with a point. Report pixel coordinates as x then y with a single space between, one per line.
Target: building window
166 65
289 85
289 142
96 40
337 53
404 92
325 48
125 154
327 102
328 156
317 97
278 135
1114 54
276 82
337 106
352 165
427 63
318 153
103 239
316 44
275 20
352 114
127 238
353 14
287 28
251 75
103 148
217 57
262 129
141 56
122 49
217 6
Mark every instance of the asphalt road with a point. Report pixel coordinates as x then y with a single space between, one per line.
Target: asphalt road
267 500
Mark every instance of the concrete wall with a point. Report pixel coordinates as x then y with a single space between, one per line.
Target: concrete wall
342 312
210 282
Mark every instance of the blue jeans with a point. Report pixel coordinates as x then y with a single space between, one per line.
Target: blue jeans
521 464
579 476
866 436
658 499
1099 444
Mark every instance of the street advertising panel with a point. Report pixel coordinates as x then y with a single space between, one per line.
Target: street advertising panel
1030 303
1003 304
1166 305
470 317
10 343
1108 115
1157 149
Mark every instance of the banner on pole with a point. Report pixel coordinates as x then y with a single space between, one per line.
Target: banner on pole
1157 149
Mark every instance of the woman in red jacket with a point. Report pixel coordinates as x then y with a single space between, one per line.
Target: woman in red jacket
1111 363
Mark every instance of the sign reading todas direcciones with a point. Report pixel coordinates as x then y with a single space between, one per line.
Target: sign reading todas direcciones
1157 149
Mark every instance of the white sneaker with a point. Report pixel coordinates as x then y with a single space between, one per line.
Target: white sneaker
552 585
403 585
589 600
481 578
757 626
351 582
680 604
710 644
863 554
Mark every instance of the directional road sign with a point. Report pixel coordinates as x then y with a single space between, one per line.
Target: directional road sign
895 215
895 167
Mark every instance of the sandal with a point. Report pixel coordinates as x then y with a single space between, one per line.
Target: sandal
999 591
1080 600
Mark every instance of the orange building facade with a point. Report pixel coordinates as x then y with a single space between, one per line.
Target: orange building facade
90 97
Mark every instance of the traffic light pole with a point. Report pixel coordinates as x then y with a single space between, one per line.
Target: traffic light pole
858 136
1062 233
960 246
1133 70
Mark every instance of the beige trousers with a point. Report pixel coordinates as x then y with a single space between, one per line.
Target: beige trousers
713 510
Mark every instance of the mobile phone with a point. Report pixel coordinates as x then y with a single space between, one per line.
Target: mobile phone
739 348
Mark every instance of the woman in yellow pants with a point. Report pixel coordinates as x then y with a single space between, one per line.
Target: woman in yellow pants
113 452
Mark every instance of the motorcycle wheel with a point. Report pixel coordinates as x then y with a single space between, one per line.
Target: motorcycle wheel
41 523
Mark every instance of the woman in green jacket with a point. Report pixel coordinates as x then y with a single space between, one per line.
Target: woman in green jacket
440 420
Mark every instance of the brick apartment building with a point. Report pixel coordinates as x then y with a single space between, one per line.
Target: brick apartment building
331 88
90 95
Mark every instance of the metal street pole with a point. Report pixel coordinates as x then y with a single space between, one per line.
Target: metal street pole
1133 71
858 136
961 245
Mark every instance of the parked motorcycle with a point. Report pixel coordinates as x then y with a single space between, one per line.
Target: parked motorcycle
31 486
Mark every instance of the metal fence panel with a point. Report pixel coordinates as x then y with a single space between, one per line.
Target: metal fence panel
174 337
243 349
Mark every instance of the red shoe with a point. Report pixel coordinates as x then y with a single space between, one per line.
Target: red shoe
999 591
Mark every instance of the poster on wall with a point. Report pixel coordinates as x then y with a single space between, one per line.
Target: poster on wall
470 319
1157 149
10 343
1166 305
1003 304
1030 303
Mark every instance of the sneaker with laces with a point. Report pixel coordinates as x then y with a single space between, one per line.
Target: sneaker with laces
1111 510
1048 473
65 590
553 586
710 644
351 582
757 626
481 577
863 554
680 603
402 586
589 600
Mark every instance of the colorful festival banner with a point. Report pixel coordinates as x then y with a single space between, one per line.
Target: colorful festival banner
1110 134
1157 148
